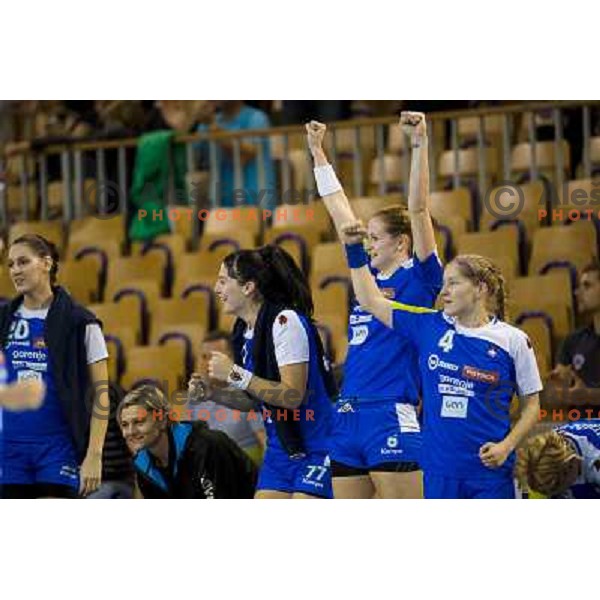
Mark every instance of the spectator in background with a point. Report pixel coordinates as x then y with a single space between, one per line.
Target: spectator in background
245 429
235 115
181 460
578 366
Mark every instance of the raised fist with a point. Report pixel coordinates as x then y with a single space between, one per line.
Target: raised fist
413 125
315 132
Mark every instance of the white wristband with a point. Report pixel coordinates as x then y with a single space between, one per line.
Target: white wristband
327 181
239 378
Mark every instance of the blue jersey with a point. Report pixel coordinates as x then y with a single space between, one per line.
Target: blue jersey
469 377
27 358
378 365
294 343
585 437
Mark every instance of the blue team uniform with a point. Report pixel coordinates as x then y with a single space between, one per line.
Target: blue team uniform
38 446
585 438
469 377
375 422
309 473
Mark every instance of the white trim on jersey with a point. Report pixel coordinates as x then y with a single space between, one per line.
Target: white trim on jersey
290 339
95 344
516 343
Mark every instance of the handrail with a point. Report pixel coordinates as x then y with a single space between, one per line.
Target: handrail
78 144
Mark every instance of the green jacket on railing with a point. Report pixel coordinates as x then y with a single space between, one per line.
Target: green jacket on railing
151 183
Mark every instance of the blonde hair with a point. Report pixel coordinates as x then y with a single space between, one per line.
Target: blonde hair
396 221
543 464
479 269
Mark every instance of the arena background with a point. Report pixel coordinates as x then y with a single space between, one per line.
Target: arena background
141 206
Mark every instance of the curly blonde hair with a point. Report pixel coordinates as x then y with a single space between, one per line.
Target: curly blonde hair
544 464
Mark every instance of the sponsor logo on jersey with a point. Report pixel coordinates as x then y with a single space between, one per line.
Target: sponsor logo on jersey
282 319
29 354
578 361
359 335
434 362
345 408
455 407
39 343
480 374
392 442
492 352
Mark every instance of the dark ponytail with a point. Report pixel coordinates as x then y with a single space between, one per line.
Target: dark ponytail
42 247
278 278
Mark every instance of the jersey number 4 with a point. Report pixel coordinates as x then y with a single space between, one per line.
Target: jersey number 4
446 342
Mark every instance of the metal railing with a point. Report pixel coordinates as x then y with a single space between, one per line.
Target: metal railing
361 147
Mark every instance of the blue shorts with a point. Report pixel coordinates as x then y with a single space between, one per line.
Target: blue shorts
501 487
310 474
368 434
50 461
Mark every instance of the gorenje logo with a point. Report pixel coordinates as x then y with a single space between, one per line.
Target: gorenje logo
433 362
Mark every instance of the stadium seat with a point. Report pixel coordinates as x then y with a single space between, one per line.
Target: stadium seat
397 141
492 244
538 333
115 316
468 129
575 198
365 207
468 163
546 159
7 289
226 321
575 244
123 270
14 200
447 205
193 311
81 278
197 268
175 242
550 295
331 299
223 220
141 295
51 230
164 364
534 197
94 230
329 259
229 241
396 171
298 240
118 342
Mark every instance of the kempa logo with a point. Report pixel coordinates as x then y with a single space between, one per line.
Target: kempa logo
433 362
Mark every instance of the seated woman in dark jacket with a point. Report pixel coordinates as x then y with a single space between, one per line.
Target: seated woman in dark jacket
181 460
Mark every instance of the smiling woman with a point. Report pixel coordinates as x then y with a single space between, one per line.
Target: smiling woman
279 365
181 460
55 450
